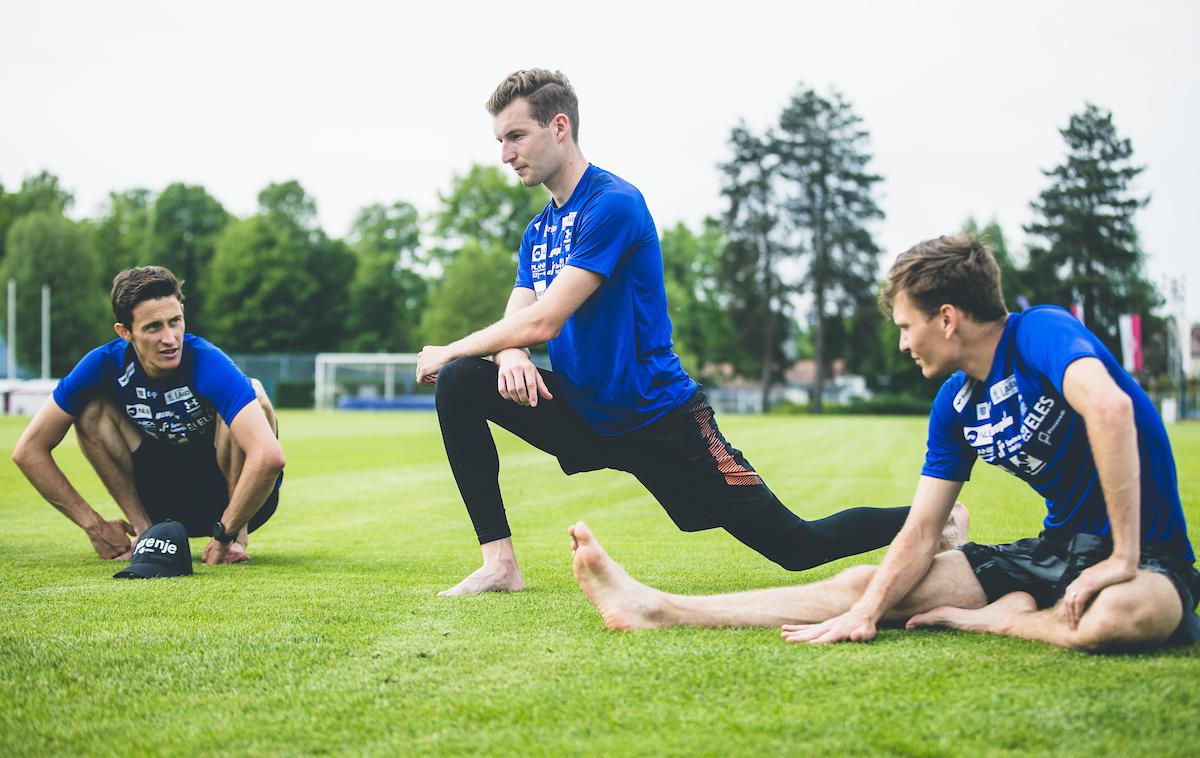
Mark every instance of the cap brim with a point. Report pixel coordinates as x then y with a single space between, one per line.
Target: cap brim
147 570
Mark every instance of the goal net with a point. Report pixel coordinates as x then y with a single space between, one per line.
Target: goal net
369 381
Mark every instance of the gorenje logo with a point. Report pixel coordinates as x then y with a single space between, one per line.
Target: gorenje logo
156 546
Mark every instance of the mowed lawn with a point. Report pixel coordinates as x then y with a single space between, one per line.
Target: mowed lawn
332 640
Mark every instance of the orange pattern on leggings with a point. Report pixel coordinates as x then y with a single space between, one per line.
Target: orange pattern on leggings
735 473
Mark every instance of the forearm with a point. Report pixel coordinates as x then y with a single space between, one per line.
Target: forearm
52 484
905 564
518 329
253 487
1113 439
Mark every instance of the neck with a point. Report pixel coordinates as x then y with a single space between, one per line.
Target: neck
564 181
980 348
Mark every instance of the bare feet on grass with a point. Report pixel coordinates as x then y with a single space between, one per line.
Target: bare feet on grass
501 577
990 618
624 603
954 533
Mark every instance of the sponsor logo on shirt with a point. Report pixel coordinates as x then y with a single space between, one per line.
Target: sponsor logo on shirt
556 252
124 378
983 435
539 288
164 414
550 230
191 405
960 400
569 219
138 411
1003 390
983 410
538 269
140 392
1026 463
177 394
538 254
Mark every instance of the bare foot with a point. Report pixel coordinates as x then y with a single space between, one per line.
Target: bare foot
954 533
986 619
624 603
504 576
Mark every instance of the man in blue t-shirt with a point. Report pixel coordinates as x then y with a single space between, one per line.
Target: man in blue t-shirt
590 283
172 427
1040 396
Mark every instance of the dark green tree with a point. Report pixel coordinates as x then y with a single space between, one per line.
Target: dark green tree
473 290
46 249
702 330
828 199
485 205
185 224
40 192
1088 251
121 233
281 284
755 296
388 292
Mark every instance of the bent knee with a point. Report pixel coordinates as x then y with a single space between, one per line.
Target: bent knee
858 576
1138 614
461 376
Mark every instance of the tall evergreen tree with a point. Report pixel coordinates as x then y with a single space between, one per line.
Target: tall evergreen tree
1012 276
701 328
828 200
757 298
388 292
1089 251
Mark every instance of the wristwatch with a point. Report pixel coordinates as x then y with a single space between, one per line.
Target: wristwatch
220 535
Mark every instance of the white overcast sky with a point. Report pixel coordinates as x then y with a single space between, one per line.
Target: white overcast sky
369 102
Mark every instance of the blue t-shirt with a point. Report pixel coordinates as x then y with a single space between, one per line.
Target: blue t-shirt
1019 420
178 409
614 353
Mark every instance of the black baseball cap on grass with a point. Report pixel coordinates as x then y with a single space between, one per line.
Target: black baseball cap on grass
162 550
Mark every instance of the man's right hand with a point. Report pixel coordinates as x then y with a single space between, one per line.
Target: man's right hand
110 538
852 626
519 380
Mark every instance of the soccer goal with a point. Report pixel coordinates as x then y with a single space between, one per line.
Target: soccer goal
369 381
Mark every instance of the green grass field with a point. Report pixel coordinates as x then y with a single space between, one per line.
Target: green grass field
332 641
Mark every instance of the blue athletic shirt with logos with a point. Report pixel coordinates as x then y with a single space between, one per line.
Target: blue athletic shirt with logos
614 354
179 409
1019 420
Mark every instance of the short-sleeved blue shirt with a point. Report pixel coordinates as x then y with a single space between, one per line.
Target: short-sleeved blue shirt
179 409
1019 420
614 354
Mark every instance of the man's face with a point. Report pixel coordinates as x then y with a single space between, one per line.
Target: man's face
156 335
526 145
922 337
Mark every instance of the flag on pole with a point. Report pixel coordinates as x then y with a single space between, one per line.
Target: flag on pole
1077 312
1131 341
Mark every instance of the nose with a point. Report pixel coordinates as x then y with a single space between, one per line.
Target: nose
903 342
507 154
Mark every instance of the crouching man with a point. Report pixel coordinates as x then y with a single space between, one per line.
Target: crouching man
1040 396
172 427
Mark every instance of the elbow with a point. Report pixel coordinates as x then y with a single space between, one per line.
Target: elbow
1116 410
271 460
23 456
544 330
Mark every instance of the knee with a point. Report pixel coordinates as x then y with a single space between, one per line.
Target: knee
1117 622
459 377
89 420
857 577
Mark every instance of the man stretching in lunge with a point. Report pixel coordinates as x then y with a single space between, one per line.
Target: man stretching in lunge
590 283
1038 395
172 427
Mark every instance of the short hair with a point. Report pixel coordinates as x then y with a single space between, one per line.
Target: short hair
959 270
137 285
548 92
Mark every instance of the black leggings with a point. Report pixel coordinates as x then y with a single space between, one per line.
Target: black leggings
681 458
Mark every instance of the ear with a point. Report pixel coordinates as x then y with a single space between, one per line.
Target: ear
948 318
561 126
122 332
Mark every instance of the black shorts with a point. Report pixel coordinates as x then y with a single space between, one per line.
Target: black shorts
185 484
1045 565
701 481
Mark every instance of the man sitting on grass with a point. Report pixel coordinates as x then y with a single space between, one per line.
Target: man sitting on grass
172 427
1037 394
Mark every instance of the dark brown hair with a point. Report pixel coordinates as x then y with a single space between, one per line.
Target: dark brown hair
958 270
548 92
136 285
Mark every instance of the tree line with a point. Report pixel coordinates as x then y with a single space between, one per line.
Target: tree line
790 268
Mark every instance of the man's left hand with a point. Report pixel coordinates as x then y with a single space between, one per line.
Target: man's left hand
430 361
217 552
851 626
1088 584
